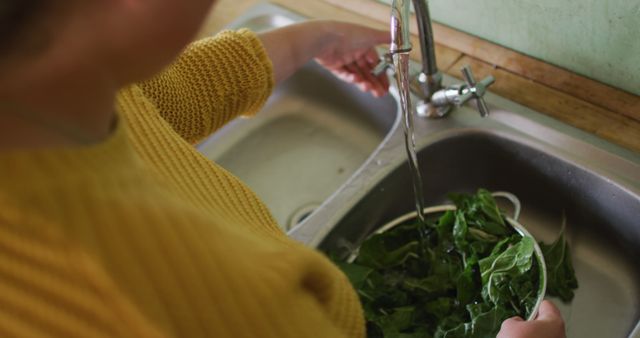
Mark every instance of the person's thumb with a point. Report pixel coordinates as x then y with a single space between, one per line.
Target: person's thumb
548 311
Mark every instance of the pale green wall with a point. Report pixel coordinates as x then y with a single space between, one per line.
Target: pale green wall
596 38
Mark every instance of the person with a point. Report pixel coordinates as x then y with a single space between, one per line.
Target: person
111 223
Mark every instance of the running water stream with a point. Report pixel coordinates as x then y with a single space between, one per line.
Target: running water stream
401 64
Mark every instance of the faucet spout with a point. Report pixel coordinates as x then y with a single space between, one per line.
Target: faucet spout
435 100
400 27
430 79
427 44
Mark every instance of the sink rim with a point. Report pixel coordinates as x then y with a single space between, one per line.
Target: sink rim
388 199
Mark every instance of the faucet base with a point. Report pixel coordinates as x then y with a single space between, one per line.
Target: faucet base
429 110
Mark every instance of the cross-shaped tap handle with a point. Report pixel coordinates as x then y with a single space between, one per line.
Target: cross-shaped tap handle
477 89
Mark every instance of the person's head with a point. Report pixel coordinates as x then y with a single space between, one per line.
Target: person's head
15 17
131 39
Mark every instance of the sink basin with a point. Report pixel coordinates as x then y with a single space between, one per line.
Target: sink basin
322 146
554 170
312 135
603 219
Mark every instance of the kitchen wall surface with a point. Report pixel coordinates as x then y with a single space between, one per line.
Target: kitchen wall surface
599 39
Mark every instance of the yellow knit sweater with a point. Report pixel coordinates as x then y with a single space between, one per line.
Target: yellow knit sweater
141 236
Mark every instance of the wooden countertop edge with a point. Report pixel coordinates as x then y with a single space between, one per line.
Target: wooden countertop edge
564 107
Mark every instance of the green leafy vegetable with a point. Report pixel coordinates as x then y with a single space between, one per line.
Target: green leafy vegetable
561 278
459 275
499 270
377 252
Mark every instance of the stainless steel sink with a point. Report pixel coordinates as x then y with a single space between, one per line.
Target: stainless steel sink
552 167
603 218
311 136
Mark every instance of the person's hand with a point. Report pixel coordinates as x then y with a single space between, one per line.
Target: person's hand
548 324
351 56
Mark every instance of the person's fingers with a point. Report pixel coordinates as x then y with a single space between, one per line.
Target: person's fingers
368 62
385 82
358 71
360 76
548 311
382 79
373 81
548 324
372 57
374 84
509 326
343 74
512 321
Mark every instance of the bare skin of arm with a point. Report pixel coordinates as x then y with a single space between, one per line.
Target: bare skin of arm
345 49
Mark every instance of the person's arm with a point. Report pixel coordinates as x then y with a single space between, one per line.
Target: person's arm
345 49
213 81
548 324
216 79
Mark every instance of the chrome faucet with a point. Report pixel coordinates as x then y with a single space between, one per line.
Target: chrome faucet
435 101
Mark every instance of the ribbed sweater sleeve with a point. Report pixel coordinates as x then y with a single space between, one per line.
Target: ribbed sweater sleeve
213 81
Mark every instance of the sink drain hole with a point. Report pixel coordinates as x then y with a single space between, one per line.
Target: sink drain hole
301 214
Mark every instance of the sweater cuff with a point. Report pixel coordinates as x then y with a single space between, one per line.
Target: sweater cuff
264 65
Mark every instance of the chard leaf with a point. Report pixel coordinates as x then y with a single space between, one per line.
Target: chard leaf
374 253
460 230
516 259
418 333
441 307
486 320
485 323
390 299
444 228
497 270
481 235
501 246
492 227
398 320
446 222
481 212
561 278
466 286
357 274
434 284
489 207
